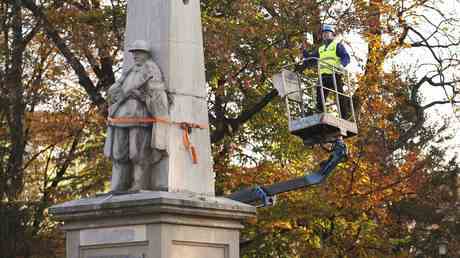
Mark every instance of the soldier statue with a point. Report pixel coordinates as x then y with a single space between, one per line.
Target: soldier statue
137 122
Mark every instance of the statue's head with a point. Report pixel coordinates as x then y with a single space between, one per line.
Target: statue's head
141 52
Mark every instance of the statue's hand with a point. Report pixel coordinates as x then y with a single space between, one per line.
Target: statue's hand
114 87
114 93
137 94
115 96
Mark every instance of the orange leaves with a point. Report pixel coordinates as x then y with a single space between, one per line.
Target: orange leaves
248 176
48 127
282 225
244 47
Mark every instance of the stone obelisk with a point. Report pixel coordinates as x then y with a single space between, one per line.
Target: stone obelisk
173 28
180 217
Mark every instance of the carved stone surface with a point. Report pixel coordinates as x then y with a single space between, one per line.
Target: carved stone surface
112 235
178 225
152 202
174 30
202 250
138 116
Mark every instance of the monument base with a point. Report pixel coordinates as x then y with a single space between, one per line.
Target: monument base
153 225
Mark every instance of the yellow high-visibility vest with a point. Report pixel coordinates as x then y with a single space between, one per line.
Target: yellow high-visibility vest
328 55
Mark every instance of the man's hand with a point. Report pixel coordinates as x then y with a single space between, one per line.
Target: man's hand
305 45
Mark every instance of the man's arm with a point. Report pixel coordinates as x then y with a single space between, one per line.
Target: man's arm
343 54
312 62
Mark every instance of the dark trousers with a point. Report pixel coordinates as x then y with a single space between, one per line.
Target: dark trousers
328 82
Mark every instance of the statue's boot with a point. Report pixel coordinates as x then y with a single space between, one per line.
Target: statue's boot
120 176
141 177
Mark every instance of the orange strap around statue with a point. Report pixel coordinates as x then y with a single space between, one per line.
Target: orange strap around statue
139 120
186 128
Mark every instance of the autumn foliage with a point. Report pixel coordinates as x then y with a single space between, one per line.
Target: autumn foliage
395 196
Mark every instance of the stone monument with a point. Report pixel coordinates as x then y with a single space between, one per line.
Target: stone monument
173 28
137 123
162 203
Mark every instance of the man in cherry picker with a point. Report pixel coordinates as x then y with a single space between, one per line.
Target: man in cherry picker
334 54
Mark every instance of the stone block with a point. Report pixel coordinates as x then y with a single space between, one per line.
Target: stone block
175 33
189 59
178 172
153 225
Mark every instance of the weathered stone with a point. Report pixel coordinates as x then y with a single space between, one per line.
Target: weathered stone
153 224
174 30
134 142
183 219
150 202
113 235
115 256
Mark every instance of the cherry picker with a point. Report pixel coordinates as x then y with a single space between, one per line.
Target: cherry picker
300 90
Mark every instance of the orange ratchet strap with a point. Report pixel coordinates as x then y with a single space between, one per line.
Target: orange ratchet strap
141 120
186 128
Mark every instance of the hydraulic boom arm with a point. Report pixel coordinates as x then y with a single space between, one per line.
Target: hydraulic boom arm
266 194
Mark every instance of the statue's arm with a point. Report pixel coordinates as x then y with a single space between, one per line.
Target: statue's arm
157 99
158 106
114 92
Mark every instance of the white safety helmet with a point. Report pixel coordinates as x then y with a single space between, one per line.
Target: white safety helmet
329 28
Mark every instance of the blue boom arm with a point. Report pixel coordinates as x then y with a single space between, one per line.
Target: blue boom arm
267 194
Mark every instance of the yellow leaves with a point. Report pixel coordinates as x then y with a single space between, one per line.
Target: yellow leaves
282 225
364 179
358 192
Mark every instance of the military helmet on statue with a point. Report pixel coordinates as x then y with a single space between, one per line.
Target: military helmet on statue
140 45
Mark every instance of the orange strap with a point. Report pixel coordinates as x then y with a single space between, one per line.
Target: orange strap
186 128
140 120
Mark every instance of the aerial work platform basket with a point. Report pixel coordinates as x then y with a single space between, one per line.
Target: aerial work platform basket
312 116
316 119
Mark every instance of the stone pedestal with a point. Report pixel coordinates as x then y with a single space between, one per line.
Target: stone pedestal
153 225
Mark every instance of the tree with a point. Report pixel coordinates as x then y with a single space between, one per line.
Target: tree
387 161
50 137
59 57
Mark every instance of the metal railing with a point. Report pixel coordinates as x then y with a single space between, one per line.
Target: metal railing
310 83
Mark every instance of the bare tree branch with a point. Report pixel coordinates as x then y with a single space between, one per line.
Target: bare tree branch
440 103
235 124
71 58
